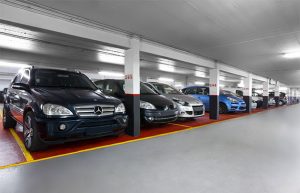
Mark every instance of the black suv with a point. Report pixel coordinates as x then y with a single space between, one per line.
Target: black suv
57 106
155 108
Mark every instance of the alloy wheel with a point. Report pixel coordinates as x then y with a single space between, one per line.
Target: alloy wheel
28 132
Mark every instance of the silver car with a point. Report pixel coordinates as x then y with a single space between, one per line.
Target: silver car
188 106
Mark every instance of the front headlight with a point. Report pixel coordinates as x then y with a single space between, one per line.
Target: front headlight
146 105
51 109
232 100
120 108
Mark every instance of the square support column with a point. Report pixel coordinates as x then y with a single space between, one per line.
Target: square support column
214 90
132 86
276 94
266 88
247 93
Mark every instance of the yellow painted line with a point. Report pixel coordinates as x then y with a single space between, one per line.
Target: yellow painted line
26 153
120 143
178 124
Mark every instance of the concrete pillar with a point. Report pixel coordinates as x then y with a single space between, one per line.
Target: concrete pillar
247 92
266 87
276 94
132 86
214 90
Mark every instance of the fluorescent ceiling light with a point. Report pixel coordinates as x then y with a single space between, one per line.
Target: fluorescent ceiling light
15 43
166 79
166 68
200 83
222 78
291 55
109 58
241 84
165 61
200 74
221 85
178 84
111 74
13 64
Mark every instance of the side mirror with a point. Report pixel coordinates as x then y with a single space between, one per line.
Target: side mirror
20 86
5 91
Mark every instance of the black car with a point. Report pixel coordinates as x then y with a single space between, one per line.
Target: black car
155 108
282 98
57 106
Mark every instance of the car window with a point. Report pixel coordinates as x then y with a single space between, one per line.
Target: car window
18 78
100 84
145 90
25 76
191 90
62 79
166 89
111 87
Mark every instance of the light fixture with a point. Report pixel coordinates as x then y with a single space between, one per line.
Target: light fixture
221 85
178 84
241 84
165 61
13 64
110 58
290 55
200 74
111 74
166 79
200 83
222 78
15 43
166 68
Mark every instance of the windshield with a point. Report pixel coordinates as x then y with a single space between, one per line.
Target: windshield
166 89
146 90
226 92
62 79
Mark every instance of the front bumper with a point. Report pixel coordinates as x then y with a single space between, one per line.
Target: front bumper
80 128
237 107
191 111
159 116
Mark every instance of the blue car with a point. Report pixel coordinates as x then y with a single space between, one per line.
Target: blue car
229 101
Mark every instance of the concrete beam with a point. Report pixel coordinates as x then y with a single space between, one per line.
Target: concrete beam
232 70
34 16
169 52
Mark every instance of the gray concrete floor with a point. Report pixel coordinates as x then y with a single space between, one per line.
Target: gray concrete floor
255 154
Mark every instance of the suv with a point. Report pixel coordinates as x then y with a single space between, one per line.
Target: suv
188 106
155 108
229 101
57 106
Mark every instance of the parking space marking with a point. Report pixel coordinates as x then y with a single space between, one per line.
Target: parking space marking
179 125
26 153
114 144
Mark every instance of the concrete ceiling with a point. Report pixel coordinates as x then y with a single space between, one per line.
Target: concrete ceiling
248 34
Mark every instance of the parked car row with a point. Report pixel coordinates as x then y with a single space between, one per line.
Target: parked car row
57 106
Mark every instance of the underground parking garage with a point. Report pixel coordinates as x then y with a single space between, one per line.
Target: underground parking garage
149 96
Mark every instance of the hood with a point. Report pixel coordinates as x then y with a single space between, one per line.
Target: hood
184 98
71 96
157 100
234 97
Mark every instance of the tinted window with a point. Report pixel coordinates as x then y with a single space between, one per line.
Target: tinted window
100 84
18 78
165 89
146 90
25 77
62 79
191 90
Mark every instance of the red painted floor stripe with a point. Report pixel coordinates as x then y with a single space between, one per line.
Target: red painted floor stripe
10 152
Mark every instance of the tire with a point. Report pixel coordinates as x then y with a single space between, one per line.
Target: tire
32 140
7 120
280 103
223 108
